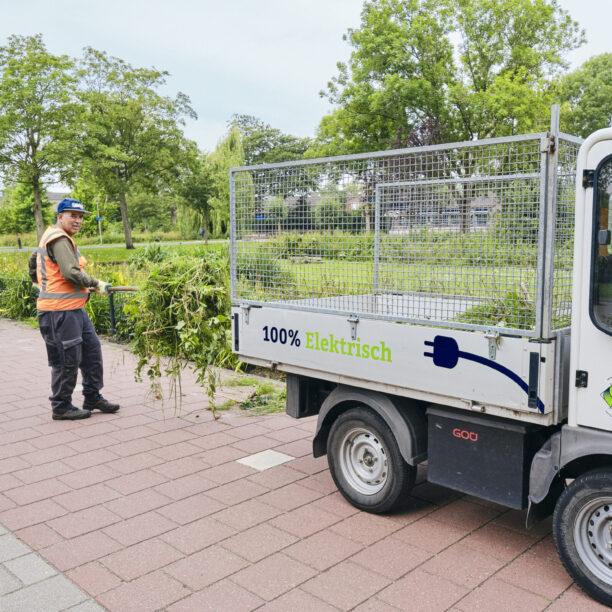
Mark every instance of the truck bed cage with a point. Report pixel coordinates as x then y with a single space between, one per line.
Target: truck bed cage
470 235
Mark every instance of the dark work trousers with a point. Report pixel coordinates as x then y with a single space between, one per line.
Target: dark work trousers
72 344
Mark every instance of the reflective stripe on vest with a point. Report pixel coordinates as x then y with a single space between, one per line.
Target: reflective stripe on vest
56 293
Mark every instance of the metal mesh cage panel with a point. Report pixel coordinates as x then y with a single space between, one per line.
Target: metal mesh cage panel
445 235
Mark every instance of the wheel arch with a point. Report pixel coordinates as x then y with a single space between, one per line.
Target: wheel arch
568 453
405 418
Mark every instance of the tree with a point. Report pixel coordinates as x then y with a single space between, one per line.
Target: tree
198 190
276 211
263 144
330 213
228 153
133 137
38 117
16 208
403 74
586 96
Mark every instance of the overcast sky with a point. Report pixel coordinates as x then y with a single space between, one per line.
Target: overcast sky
268 58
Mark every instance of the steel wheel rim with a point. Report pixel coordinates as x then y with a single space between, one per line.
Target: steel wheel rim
593 537
363 461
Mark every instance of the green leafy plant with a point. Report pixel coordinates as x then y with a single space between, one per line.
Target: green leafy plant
514 310
17 298
267 398
181 319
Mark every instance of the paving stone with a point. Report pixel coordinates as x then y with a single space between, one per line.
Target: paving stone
575 599
11 547
51 595
273 576
276 477
539 576
83 521
139 528
305 521
391 558
141 559
88 476
430 535
151 592
323 550
137 481
502 597
137 503
508 544
336 504
86 606
463 565
289 497
464 515
8 582
346 585
197 535
265 460
93 578
258 542
423 592
191 508
219 596
38 536
205 567
236 492
247 514
365 528
30 568
186 486
71 553
298 600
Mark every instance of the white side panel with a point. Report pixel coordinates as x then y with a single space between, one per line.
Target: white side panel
442 362
591 347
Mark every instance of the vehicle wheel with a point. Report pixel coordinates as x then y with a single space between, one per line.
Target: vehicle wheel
366 463
582 528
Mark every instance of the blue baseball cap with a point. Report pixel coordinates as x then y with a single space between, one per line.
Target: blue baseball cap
70 204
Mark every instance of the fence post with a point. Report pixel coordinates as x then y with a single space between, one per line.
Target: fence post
111 301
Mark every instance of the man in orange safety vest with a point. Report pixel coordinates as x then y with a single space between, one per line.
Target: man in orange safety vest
57 269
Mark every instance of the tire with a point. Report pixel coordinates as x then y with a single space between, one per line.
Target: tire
582 529
366 463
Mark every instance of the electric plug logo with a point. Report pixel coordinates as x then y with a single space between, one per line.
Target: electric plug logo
607 396
446 354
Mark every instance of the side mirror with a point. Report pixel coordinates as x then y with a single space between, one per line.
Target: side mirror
604 237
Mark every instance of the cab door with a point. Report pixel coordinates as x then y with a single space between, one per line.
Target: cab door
591 396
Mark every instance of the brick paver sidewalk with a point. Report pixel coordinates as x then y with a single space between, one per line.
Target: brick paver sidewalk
145 510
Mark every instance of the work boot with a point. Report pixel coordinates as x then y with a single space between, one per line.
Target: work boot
71 414
97 402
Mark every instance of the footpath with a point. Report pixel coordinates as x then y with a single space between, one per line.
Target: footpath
150 510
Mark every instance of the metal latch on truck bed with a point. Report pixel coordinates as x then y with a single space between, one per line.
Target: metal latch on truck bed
353 322
493 338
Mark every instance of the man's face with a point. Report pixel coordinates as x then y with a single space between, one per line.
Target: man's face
70 221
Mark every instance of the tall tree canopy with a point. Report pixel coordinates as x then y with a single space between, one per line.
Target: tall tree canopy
133 135
406 83
586 96
38 117
263 144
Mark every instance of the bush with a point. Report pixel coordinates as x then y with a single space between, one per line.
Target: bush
183 313
152 253
17 298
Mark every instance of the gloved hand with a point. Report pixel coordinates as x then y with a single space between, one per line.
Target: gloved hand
36 288
102 287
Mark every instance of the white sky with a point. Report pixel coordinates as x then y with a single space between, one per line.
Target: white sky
267 58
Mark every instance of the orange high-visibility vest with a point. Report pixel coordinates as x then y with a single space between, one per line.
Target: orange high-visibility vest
56 293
